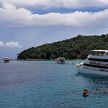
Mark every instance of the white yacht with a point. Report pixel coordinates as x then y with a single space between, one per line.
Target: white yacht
96 63
6 60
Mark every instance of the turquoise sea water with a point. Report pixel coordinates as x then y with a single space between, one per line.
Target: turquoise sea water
45 84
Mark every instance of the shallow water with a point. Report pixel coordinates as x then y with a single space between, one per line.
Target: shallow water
46 84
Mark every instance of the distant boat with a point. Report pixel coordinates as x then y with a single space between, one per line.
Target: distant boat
61 60
6 59
96 63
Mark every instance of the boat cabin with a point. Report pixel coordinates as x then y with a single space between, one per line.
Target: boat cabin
101 54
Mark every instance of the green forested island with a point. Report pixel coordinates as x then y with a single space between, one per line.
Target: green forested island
75 48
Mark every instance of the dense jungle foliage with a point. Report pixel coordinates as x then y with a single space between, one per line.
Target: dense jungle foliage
75 48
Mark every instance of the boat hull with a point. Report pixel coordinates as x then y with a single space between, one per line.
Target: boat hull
93 71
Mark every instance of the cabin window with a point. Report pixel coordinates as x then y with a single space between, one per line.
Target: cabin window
101 53
92 53
97 53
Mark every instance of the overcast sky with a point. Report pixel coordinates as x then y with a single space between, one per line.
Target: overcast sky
29 23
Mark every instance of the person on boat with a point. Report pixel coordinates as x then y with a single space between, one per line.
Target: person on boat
85 93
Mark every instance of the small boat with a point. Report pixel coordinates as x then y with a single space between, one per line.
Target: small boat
96 63
6 59
61 60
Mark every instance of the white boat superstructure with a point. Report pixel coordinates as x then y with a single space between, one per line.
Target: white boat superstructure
96 63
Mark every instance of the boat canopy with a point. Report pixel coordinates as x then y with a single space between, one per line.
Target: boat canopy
6 58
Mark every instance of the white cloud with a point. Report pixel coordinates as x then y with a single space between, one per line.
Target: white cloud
103 1
58 3
10 44
1 43
10 15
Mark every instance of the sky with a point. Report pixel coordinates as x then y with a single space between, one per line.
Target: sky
30 23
